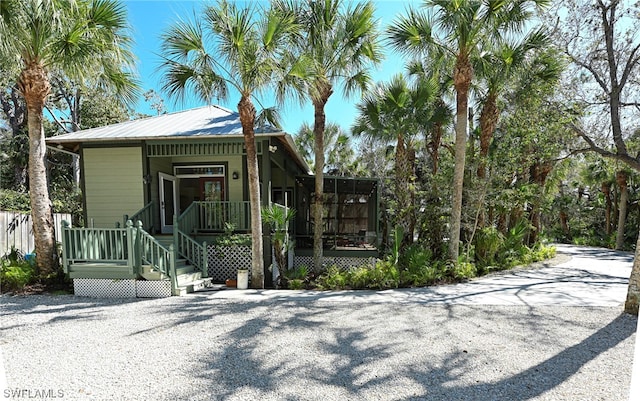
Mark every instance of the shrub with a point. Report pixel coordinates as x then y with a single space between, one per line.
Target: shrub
15 275
488 243
333 279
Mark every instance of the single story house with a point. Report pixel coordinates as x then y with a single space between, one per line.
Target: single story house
181 179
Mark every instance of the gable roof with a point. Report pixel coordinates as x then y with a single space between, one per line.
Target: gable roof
199 123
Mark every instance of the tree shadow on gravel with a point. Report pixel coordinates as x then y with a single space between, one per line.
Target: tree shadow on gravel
253 360
533 381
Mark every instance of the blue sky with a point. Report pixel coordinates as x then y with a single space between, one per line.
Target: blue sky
149 18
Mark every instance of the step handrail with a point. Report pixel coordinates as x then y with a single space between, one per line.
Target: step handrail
188 220
145 215
190 249
152 253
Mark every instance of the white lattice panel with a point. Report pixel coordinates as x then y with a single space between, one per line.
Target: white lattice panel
153 288
224 261
342 262
104 288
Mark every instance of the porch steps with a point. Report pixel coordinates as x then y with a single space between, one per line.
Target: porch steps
188 279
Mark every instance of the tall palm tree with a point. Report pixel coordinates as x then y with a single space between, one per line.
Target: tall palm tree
340 44
507 61
458 28
397 111
229 47
78 37
339 153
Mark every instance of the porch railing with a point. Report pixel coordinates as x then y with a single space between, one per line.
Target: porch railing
150 252
212 216
145 214
130 246
190 249
109 245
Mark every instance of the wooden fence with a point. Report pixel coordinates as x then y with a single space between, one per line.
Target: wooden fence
16 231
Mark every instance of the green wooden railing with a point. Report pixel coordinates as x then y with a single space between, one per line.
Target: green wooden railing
212 216
188 220
109 245
130 246
150 252
145 214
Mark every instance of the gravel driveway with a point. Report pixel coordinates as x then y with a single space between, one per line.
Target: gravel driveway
551 333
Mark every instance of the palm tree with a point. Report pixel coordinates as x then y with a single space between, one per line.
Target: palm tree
339 45
508 61
339 154
77 37
244 54
458 28
395 110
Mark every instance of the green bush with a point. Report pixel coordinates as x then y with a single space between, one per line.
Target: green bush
295 284
333 279
489 241
14 201
15 275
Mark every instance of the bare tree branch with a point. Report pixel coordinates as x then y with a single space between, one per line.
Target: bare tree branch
631 161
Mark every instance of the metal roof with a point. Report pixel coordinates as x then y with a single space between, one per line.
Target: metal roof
202 122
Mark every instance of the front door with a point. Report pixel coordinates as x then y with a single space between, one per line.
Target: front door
168 201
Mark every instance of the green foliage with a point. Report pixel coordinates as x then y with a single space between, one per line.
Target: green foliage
296 284
383 275
15 272
489 241
230 238
299 273
14 201
463 270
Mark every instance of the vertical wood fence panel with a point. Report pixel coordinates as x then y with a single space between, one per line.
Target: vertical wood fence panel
16 231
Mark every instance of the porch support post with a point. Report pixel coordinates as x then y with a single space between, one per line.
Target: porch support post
265 170
131 246
205 260
138 248
66 245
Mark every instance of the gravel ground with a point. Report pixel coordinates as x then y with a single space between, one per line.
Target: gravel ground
216 347
203 348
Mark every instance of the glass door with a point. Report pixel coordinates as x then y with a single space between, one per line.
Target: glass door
168 201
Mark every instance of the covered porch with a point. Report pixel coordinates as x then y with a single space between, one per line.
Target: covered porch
350 221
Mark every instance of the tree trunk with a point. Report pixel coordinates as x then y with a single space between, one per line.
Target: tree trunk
462 79
435 147
34 86
488 122
633 292
606 190
318 132
621 179
402 185
247 117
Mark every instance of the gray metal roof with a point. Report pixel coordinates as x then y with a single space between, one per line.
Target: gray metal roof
201 122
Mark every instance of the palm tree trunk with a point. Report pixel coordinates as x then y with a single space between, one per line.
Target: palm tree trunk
318 133
633 292
34 86
247 117
621 178
488 122
462 79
